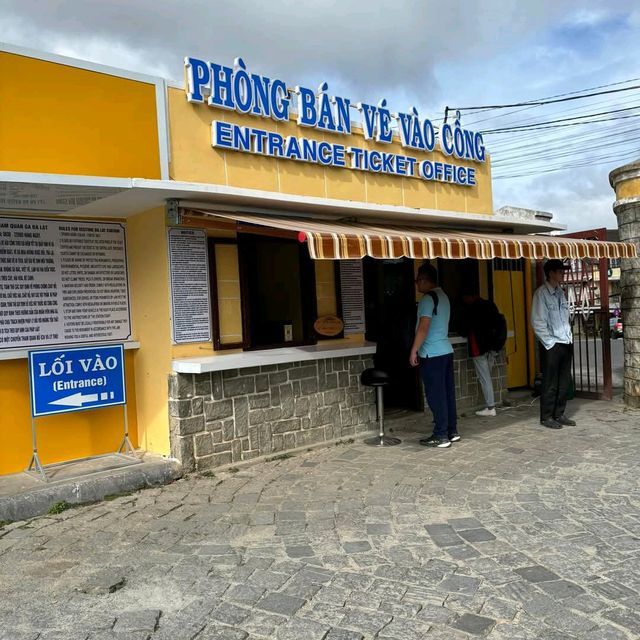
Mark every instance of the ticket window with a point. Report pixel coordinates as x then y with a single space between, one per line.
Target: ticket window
453 277
263 292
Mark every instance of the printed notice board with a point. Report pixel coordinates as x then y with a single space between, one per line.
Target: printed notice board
62 282
190 299
76 379
352 294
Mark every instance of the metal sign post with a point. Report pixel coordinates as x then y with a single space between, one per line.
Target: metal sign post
77 379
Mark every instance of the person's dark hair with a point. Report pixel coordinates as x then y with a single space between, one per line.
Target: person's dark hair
429 272
469 289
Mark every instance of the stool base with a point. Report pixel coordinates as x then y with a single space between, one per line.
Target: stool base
382 441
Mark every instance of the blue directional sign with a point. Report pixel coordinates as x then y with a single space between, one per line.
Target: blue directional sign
64 380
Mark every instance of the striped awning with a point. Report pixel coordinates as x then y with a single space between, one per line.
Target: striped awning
329 240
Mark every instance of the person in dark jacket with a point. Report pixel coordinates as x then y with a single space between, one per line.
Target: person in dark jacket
477 325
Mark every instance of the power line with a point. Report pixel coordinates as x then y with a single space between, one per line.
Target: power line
562 98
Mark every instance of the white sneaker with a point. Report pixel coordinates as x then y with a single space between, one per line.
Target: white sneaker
486 413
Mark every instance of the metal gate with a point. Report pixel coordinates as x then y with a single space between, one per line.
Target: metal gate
587 289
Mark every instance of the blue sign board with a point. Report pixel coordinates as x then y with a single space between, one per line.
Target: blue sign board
64 380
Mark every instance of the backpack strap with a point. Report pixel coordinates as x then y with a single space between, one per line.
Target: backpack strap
434 297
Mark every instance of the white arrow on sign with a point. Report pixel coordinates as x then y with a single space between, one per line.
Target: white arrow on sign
76 400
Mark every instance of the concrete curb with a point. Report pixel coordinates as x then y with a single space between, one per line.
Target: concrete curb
90 488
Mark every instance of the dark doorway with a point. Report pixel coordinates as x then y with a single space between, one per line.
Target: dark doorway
390 308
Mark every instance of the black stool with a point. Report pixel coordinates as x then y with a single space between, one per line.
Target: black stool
378 378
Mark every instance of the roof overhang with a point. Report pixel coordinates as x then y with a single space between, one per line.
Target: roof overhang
96 197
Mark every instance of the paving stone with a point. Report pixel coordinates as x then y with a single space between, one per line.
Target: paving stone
477 535
460 584
213 632
561 589
300 551
536 574
280 603
473 624
465 523
343 634
244 594
365 621
298 628
356 547
134 621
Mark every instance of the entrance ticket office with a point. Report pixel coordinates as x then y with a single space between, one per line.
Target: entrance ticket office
215 307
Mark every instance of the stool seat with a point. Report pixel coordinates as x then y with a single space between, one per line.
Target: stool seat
374 377
378 379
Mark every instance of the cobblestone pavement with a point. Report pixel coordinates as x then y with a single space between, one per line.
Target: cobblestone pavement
516 532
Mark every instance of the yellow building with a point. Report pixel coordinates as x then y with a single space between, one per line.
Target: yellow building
257 253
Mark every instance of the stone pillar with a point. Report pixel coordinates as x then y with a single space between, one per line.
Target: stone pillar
626 183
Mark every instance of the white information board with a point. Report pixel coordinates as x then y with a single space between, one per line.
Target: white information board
352 293
190 299
62 282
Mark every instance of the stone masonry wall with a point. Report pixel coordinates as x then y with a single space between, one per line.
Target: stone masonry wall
220 418
468 391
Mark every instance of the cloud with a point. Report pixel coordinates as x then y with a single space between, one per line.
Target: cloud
413 52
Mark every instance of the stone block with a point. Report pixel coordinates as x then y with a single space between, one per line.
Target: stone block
229 373
288 407
202 384
236 451
280 604
308 386
218 409
241 416
289 441
220 459
259 401
203 444
197 406
307 371
189 426
220 448
238 386
217 435
180 408
256 417
228 432
181 386
277 378
216 385
301 407
356 366
284 426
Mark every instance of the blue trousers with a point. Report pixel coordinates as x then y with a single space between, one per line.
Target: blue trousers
440 391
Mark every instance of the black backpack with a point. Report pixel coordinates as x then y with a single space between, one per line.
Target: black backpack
498 333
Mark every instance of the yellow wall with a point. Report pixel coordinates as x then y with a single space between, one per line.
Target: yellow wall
508 294
194 160
60 119
62 437
149 284
229 302
326 288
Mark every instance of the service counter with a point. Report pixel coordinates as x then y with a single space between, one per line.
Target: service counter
226 409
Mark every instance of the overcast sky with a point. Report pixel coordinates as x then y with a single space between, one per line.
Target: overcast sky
411 52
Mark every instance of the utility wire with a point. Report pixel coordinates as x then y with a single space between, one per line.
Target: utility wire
536 103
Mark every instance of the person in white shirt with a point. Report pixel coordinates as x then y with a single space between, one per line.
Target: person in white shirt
550 322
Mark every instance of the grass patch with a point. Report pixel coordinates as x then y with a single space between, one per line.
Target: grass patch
58 507
342 442
233 469
282 456
112 496
4 523
207 474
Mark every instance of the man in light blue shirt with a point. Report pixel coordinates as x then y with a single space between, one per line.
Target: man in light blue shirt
551 324
433 352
